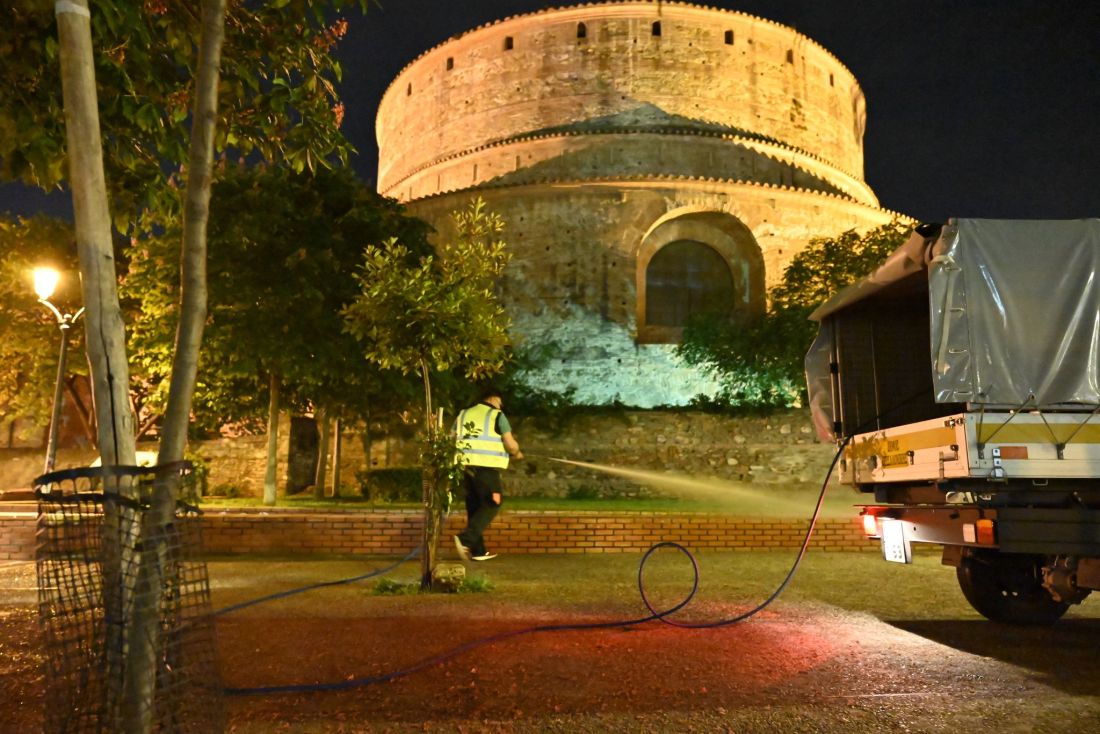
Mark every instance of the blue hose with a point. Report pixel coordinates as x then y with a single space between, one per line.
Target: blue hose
301 590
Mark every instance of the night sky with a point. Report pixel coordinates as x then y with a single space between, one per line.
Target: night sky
976 108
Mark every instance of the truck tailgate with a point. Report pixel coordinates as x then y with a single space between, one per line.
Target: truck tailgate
928 450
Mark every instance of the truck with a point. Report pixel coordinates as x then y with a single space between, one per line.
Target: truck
961 381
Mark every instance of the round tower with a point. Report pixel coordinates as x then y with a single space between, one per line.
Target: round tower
651 160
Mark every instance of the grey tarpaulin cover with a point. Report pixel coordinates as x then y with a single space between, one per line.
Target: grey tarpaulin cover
1014 308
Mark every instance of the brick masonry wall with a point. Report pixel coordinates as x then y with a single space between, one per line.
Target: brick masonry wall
475 88
572 285
589 145
394 533
17 539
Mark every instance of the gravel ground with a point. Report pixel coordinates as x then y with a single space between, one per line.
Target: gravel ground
816 661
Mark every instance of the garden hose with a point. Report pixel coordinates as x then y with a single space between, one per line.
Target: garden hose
654 615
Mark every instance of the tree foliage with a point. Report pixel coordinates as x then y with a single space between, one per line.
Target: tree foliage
439 311
760 364
277 99
282 256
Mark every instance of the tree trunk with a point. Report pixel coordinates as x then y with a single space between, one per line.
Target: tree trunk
105 339
337 451
431 533
141 669
321 477
196 211
272 441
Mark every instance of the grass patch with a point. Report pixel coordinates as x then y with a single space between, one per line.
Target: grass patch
307 501
606 585
476 585
389 587
469 585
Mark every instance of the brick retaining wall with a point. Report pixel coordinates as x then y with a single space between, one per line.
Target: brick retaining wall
17 536
296 532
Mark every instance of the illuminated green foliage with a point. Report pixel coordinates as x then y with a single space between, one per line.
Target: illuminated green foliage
760 364
277 92
282 255
440 312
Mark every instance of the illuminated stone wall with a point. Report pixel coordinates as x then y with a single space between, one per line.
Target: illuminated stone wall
602 133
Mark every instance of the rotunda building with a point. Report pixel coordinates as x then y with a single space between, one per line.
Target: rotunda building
652 161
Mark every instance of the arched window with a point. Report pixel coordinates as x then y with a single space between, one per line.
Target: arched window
684 279
582 30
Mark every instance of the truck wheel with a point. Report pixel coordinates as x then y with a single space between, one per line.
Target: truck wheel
1008 588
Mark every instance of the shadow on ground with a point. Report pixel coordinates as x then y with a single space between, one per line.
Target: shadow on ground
1062 656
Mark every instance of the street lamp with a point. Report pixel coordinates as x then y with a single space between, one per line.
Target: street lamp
45 282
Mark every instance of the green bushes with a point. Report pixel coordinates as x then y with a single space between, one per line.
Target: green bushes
402 484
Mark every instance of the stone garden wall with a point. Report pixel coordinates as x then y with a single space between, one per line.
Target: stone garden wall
777 450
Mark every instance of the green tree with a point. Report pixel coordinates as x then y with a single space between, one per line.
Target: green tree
760 364
151 34
277 94
272 94
437 314
283 251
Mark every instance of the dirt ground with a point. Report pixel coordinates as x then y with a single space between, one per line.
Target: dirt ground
819 660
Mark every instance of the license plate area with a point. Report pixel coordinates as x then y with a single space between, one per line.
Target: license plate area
895 546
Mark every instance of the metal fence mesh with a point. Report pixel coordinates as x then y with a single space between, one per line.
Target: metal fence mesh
124 603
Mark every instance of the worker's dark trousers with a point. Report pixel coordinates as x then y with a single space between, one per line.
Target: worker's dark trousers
481 482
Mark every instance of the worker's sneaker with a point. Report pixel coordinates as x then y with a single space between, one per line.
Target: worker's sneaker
484 556
463 551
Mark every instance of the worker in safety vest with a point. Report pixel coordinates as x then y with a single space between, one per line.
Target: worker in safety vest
485 441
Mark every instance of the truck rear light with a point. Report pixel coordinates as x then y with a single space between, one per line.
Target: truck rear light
981 532
986 534
870 526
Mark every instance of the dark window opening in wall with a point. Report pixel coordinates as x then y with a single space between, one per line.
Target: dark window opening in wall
729 38
509 44
831 82
656 28
685 279
582 30
409 90
790 56
450 63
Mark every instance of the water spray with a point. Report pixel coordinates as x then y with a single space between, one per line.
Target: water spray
663 616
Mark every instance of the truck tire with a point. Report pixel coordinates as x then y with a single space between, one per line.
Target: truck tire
1008 588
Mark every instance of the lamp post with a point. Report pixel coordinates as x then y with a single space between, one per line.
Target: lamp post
45 282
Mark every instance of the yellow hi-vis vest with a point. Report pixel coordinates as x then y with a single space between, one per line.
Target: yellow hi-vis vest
480 444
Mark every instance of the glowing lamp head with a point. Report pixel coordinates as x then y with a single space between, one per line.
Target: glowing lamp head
45 282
